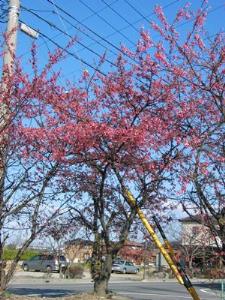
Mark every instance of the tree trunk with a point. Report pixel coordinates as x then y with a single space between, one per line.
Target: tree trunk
2 263
103 269
190 265
2 268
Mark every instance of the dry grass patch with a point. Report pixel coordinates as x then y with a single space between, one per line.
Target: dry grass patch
84 296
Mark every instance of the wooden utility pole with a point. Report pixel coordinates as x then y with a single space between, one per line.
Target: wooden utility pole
8 66
11 33
8 60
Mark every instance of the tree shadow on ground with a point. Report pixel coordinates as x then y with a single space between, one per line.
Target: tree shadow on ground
215 286
50 293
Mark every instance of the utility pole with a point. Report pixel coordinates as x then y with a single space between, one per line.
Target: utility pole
8 62
11 33
8 66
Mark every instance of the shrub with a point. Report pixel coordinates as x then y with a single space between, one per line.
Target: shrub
75 271
214 273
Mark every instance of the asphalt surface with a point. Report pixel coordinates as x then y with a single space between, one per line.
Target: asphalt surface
137 290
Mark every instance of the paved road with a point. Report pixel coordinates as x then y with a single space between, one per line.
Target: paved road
132 289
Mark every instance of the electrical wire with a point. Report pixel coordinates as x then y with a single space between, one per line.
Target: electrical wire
41 10
64 49
105 39
137 11
71 53
86 27
122 17
94 32
67 34
152 14
108 23
84 19
61 20
89 36
98 11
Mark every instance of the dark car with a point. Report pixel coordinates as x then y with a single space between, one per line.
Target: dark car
45 263
124 266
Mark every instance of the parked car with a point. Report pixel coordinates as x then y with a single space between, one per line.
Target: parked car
45 263
124 266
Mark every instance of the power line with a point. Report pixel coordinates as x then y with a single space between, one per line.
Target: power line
98 35
56 10
84 19
64 49
88 35
122 17
65 33
98 11
86 27
137 11
152 14
18 229
41 10
92 31
114 46
89 29
70 53
104 20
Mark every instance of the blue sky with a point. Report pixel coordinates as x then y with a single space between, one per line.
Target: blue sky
117 21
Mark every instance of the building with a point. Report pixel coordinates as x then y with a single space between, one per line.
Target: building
194 232
198 245
80 250
138 253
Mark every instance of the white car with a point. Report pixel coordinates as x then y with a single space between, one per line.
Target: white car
124 266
